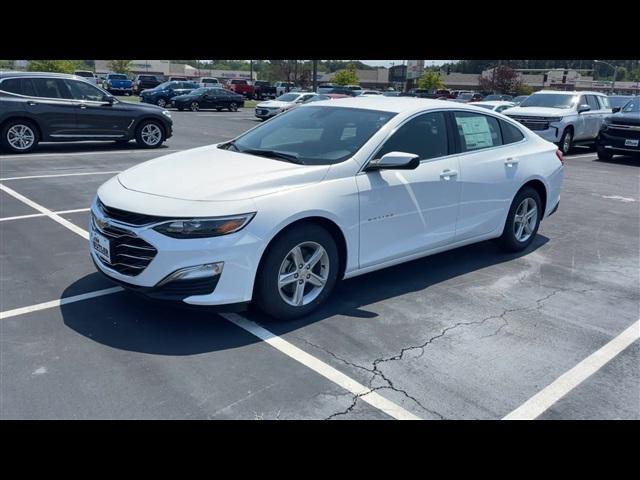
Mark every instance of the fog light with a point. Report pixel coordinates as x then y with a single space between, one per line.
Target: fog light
198 271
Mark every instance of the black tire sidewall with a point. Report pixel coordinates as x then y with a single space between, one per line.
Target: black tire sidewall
266 291
508 238
5 143
566 132
141 142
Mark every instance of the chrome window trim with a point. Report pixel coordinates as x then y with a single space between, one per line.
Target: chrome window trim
452 110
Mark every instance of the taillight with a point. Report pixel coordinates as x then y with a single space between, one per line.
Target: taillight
560 156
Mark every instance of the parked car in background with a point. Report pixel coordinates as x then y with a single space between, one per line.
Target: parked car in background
519 99
498 97
391 93
118 83
283 87
339 90
87 75
496 106
470 97
241 87
360 93
564 118
327 191
208 97
619 101
620 132
174 78
144 82
354 87
334 96
54 107
163 93
264 89
211 82
282 103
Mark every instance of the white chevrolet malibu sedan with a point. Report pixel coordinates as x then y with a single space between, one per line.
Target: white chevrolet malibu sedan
326 191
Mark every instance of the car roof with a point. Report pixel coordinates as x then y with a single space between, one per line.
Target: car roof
37 74
570 92
394 104
494 103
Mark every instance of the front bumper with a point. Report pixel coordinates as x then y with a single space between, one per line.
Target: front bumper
266 113
240 253
615 140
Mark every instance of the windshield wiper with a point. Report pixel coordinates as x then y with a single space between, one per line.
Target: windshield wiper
228 145
291 157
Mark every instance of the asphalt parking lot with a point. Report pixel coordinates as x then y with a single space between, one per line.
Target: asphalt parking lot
473 333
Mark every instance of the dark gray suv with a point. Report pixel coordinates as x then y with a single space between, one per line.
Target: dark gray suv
50 107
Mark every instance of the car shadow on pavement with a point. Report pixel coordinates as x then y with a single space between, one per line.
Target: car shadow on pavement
83 147
130 322
622 160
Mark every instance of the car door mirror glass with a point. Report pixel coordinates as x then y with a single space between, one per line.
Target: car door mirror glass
395 161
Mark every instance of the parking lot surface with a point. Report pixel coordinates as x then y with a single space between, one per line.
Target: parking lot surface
472 333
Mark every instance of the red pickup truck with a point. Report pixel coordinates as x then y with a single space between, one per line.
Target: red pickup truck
241 87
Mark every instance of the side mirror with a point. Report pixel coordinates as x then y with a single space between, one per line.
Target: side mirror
615 109
109 99
583 108
395 161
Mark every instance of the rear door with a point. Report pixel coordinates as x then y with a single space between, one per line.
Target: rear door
489 175
53 108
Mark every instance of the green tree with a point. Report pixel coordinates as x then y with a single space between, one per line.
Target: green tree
347 76
430 81
59 66
119 66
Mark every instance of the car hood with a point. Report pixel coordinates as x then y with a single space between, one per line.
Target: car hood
274 104
213 174
630 118
539 111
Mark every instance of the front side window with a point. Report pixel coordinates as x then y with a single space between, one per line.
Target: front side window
84 91
425 136
313 135
604 102
477 131
632 106
117 77
50 88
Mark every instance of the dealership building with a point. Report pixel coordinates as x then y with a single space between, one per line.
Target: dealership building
165 69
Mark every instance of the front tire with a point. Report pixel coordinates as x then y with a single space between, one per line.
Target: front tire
566 141
298 272
523 220
150 134
233 107
195 106
603 154
19 136
161 102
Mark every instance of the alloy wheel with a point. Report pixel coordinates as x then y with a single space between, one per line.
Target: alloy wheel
20 137
303 274
525 219
151 134
195 107
162 103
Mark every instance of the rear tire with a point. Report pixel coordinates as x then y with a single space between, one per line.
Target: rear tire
278 262
521 225
233 107
19 136
161 102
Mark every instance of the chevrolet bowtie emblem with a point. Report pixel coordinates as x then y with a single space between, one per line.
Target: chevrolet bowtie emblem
101 223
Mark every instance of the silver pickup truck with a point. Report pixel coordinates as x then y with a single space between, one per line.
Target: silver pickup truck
564 118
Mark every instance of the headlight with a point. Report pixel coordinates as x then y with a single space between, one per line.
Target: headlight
555 119
204 227
166 113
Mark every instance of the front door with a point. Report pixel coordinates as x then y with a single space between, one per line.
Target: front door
403 212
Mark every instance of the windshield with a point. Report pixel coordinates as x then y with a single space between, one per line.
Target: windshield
209 80
550 100
118 77
632 106
465 96
492 97
313 135
618 101
288 97
520 98
488 107
199 91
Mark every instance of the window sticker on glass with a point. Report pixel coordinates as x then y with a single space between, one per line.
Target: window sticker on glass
476 131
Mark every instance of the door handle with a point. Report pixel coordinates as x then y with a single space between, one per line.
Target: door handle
510 162
32 103
83 107
448 174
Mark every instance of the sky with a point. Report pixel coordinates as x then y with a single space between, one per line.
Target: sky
388 63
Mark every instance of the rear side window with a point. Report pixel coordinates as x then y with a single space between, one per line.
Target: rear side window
425 136
510 133
21 86
477 131
50 88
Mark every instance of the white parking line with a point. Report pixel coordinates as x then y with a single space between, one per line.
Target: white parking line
52 215
56 303
543 400
35 215
365 394
59 175
75 154
372 398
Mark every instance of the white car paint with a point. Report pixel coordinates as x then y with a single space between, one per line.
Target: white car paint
496 105
386 216
271 108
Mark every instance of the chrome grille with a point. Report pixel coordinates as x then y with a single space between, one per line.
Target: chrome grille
130 254
131 218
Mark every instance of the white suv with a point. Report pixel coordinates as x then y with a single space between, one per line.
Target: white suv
564 118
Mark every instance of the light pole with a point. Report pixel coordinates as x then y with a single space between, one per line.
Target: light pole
615 71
